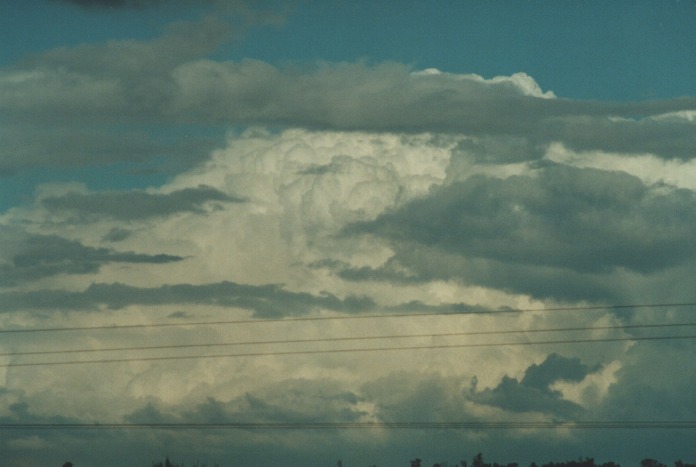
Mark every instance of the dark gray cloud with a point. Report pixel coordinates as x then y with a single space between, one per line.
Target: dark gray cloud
663 137
414 262
142 4
554 368
520 231
267 301
20 412
581 219
131 205
114 3
389 97
34 257
169 81
533 392
513 396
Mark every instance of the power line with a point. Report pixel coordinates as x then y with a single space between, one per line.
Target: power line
353 350
351 317
343 339
419 425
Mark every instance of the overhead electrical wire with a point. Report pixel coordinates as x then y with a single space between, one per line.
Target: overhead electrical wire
350 350
350 338
453 425
418 425
348 317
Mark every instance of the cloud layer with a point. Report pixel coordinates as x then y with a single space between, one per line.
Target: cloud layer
170 80
136 204
558 219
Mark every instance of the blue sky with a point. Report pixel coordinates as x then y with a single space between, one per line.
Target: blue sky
578 49
588 49
358 214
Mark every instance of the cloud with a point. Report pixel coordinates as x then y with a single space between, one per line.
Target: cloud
267 301
171 81
511 395
390 97
533 393
117 234
98 4
412 395
128 77
658 390
338 223
130 205
32 257
556 218
293 401
92 95
341 190
19 412
555 368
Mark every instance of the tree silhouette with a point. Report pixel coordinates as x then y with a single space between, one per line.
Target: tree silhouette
166 463
651 463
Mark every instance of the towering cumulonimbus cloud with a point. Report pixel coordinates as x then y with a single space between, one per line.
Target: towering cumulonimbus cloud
302 223
370 246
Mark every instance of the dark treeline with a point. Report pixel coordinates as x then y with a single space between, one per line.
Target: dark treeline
478 461
168 463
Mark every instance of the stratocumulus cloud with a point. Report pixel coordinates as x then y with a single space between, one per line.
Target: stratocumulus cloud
31 257
269 301
101 5
114 3
170 79
556 217
134 204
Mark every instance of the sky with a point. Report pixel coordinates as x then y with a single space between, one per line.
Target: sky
253 233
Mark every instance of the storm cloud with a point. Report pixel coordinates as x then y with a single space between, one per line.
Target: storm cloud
533 393
114 3
266 301
583 221
129 205
33 257
387 245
